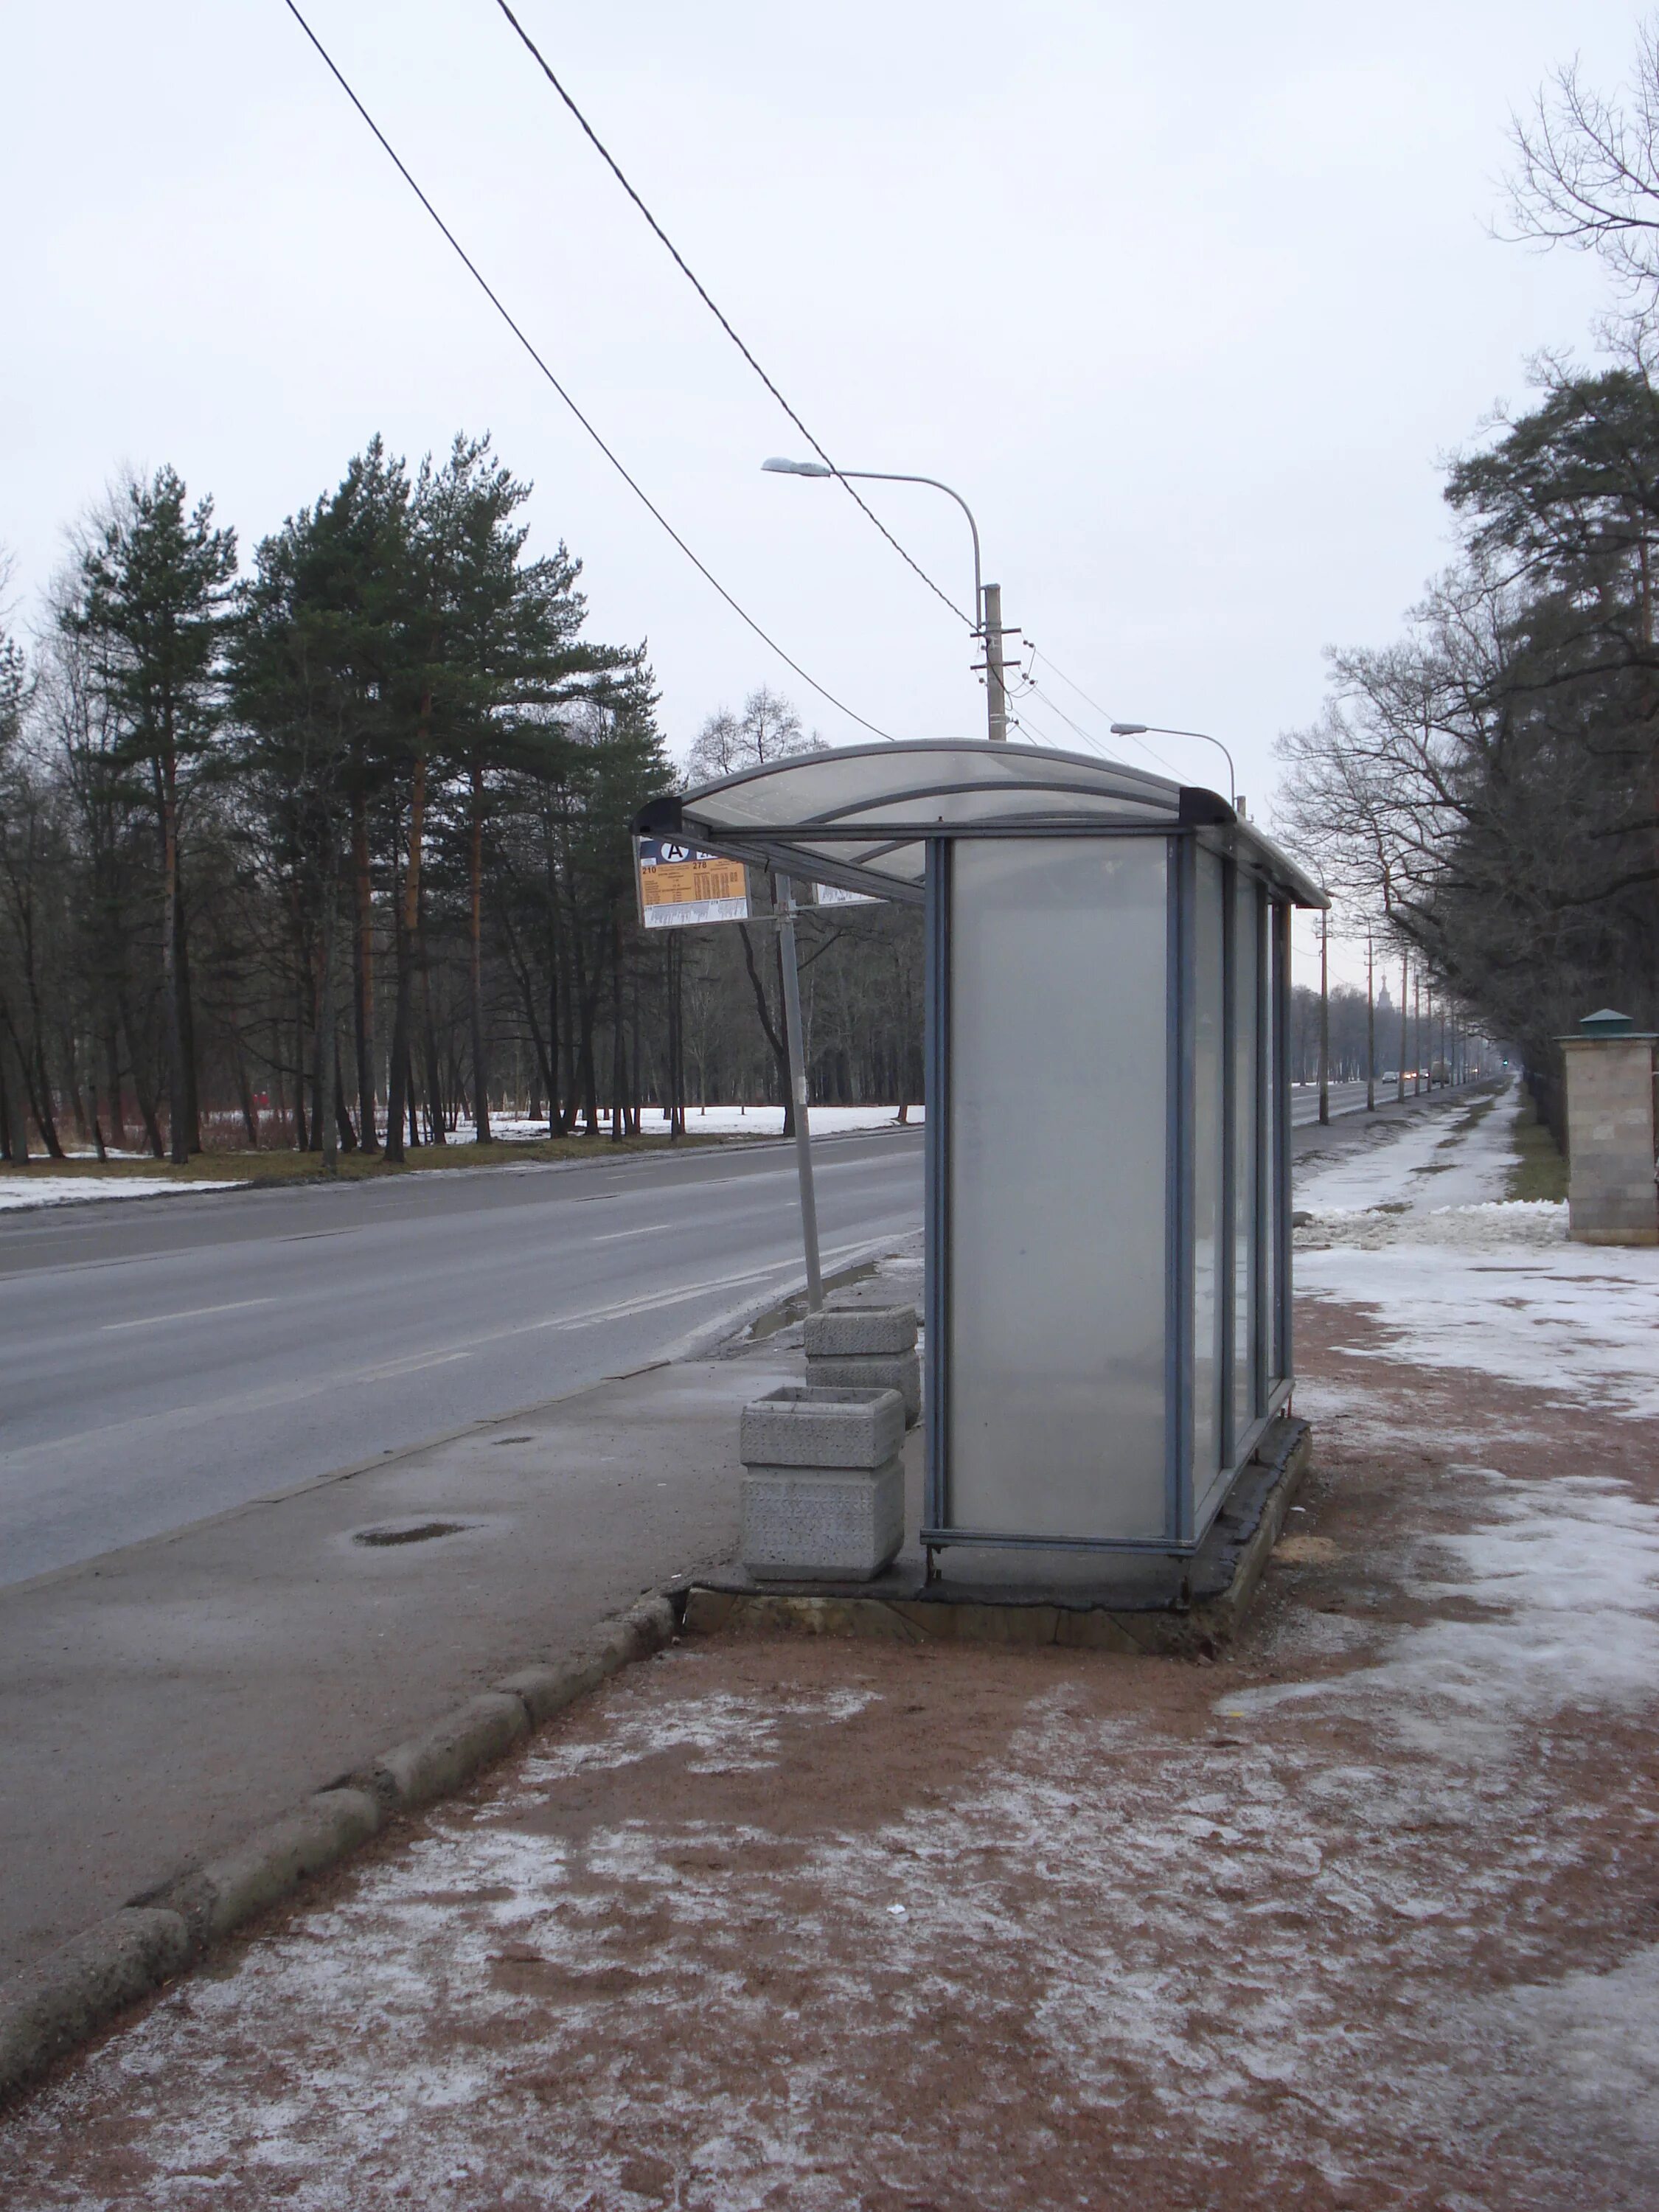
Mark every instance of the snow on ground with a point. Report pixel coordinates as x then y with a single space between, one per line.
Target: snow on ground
1416 1230
1424 1162
718 1122
1548 1607
21 1194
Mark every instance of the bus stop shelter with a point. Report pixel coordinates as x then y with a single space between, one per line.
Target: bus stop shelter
1108 1302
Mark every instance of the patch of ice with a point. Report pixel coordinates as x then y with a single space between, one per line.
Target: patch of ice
1570 1570
734 1735
1583 1321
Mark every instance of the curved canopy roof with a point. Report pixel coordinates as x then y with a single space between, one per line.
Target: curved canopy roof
858 815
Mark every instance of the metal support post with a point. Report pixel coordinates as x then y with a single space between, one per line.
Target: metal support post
809 1210
1324 1018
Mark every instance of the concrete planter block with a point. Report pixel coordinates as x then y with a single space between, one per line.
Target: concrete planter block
840 1524
896 1371
800 1426
859 1331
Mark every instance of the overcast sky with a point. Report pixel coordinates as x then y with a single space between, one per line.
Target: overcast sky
1190 303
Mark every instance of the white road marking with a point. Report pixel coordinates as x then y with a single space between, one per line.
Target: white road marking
192 1313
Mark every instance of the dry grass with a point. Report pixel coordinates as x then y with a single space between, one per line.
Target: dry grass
1540 1171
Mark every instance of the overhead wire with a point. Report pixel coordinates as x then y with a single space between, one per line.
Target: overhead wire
1035 690
701 291
638 490
1150 751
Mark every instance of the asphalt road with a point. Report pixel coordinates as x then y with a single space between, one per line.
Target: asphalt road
163 1361
1346 1098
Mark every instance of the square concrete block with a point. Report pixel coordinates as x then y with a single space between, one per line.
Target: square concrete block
801 1427
896 1371
832 1525
859 1332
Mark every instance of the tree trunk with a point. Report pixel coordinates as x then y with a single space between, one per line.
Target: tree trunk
362 974
406 909
561 1092
244 1088
117 1123
141 1090
325 1120
178 1104
475 965
618 1041
5 1106
434 1091
46 1118
586 1078
635 1063
187 1027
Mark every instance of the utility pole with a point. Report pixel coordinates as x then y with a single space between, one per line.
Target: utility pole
809 1209
1417 1036
1370 1028
996 688
1325 1016
1405 1009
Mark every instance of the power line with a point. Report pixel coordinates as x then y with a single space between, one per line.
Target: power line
1149 751
697 286
644 498
1035 690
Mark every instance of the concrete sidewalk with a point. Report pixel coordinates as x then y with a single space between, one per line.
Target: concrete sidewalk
161 1703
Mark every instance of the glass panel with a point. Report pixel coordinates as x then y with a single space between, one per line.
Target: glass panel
1210 1302
1057 1132
1247 969
1277 1149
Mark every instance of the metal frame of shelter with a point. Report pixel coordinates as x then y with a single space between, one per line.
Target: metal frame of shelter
969 832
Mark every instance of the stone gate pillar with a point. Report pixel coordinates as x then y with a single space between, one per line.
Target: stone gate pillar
1611 1193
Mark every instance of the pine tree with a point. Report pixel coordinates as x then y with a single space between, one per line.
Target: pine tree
152 588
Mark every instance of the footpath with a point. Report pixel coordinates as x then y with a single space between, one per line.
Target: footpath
1360 1915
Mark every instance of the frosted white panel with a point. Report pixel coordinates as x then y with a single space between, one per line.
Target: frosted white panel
1246 971
1276 1198
1056 1140
1210 1298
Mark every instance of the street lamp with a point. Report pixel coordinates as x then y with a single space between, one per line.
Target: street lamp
987 598
1157 730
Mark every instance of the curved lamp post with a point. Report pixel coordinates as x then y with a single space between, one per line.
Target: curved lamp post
987 598
1157 730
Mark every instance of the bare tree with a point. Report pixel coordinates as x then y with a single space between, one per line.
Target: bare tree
1586 173
769 729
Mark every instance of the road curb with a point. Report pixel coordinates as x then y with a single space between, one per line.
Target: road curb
68 1996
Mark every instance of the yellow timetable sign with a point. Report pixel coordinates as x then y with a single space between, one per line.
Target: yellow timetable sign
681 885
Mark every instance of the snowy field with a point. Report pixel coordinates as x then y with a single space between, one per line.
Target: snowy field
722 1121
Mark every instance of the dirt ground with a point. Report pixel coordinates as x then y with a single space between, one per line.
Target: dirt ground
1364 1916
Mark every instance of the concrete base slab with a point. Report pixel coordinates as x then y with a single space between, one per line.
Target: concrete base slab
1202 1611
